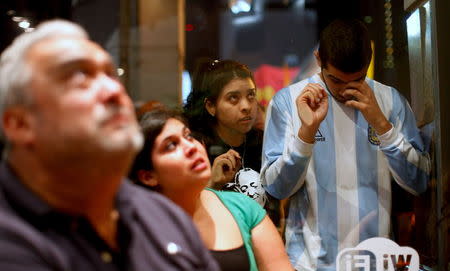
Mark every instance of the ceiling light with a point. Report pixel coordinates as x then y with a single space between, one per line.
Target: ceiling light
18 19
238 6
24 24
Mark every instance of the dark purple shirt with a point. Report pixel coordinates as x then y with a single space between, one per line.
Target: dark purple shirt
153 234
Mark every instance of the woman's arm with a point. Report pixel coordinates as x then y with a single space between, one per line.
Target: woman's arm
268 247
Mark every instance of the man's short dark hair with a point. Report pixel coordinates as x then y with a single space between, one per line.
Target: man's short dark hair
345 44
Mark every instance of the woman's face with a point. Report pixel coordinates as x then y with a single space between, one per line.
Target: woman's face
179 161
235 108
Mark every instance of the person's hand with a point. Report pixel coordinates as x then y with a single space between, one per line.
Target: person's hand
224 168
363 99
312 107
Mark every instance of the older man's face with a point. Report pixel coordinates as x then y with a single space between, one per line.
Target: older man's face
78 103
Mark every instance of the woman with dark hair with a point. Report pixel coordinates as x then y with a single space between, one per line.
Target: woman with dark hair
221 111
234 227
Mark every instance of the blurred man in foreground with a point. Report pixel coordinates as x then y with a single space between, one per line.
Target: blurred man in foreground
71 136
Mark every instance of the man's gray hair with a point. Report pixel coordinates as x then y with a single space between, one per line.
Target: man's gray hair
15 72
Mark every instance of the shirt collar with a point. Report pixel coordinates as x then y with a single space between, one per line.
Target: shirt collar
19 195
30 205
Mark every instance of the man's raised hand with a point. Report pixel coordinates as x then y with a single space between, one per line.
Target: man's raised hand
365 101
312 108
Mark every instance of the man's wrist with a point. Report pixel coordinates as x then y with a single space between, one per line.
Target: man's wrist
382 127
307 134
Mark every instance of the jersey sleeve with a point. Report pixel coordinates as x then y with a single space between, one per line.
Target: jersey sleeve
285 157
403 146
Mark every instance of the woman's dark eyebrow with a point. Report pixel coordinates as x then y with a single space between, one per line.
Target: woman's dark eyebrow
168 137
233 92
163 142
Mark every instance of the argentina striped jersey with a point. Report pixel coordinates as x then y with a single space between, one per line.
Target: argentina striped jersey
339 186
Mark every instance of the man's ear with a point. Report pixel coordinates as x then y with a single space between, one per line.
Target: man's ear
18 125
147 177
210 107
316 55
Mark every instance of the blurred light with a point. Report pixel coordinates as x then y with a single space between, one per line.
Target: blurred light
413 24
24 24
186 85
299 4
120 71
238 6
10 12
189 27
18 19
368 19
29 29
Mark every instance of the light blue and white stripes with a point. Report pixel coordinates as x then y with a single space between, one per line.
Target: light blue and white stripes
340 186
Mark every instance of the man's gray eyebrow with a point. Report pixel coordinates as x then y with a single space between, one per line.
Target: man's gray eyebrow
68 64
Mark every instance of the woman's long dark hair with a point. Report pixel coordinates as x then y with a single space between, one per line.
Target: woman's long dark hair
209 78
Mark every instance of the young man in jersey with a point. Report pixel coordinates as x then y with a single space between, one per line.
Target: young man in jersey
332 143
